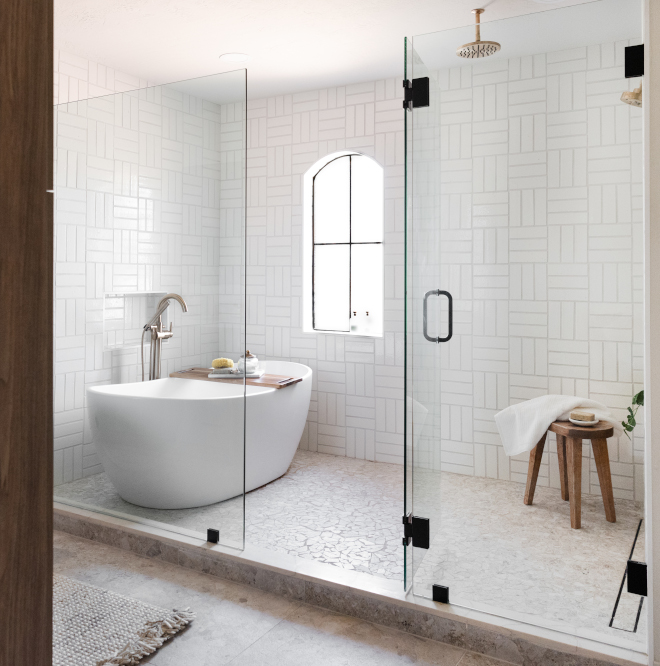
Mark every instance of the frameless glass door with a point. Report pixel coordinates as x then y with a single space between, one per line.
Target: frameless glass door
524 202
428 308
150 201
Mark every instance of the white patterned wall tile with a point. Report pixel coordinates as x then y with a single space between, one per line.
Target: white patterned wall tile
541 178
114 232
563 293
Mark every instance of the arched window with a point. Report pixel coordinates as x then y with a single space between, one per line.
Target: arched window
343 254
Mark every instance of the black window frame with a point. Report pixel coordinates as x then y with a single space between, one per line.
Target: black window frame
350 242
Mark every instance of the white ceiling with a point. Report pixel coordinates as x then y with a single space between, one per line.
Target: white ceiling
600 22
294 45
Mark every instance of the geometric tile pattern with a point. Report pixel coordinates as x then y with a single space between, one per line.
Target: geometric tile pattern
146 195
541 214
83 257
541 246
357 398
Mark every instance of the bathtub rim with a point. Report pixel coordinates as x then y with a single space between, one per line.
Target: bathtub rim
131 389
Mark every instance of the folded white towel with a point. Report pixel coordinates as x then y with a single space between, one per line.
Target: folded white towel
521 426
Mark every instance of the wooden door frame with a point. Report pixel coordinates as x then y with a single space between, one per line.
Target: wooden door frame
26 331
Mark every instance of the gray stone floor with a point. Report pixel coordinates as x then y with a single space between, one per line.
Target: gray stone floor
494 552
245 626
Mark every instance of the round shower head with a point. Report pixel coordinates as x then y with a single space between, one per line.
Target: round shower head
478 49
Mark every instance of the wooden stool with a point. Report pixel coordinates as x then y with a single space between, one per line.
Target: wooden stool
569 453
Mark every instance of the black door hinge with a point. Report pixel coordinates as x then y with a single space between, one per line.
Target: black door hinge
636 575
634 61
416 529
212 535
416 93
441 594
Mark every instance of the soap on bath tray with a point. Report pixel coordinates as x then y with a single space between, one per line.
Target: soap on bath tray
581 415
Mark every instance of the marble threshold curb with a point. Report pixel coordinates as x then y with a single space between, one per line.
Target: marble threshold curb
367 597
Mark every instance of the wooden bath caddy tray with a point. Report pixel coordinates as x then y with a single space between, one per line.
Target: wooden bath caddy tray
268 381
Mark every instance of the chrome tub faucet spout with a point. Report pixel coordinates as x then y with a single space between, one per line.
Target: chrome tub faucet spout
158 334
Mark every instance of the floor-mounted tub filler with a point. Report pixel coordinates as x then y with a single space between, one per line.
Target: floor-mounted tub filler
178 443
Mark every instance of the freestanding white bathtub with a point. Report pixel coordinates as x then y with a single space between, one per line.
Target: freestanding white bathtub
178 443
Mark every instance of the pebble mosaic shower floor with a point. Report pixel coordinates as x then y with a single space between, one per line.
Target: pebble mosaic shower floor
493 552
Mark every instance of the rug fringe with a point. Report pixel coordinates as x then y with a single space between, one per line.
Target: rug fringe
150 638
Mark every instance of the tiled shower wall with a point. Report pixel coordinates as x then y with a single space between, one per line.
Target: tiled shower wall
75 78
541 202
146 198
357 401
78 78
541 209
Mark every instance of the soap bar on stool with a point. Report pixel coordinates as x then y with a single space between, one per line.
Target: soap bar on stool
579 415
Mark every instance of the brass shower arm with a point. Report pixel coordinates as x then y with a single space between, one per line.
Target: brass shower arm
477 27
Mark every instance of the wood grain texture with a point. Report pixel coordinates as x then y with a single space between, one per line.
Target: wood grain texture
26 303
602 458
602 430
574 464
569 456
535 456
563 471
266 381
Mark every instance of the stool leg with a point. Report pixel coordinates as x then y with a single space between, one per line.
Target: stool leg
602 458
563 473
535 456
574 460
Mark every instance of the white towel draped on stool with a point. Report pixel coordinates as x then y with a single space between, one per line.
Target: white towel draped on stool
521 426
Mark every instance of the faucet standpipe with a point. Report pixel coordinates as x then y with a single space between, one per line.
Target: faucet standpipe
158 334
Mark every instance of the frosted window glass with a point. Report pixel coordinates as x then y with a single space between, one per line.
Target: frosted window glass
366 200
332 202
367 289
331 287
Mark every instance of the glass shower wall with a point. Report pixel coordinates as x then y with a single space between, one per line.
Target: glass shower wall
150 193
524 202
426 308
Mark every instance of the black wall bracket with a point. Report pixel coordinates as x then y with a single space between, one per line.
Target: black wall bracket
634 61
637 578
416 93
417 530
212 536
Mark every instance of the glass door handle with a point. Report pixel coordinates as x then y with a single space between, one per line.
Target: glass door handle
439 292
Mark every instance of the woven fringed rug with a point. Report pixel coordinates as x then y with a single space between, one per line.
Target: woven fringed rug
95 627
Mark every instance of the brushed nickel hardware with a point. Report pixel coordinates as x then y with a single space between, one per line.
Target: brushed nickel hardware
158 334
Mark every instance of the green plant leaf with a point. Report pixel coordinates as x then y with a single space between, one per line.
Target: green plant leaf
638 399
627 426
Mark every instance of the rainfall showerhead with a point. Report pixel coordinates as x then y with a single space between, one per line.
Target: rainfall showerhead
478 49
